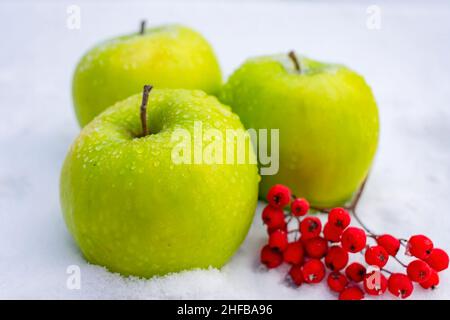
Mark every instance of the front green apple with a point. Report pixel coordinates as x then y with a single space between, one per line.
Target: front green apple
132 209
170 56
327 117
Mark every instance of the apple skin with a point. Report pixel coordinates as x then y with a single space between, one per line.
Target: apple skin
328 122
170 56
132 210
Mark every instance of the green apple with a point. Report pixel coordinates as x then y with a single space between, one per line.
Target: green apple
170 56
132 209
327 120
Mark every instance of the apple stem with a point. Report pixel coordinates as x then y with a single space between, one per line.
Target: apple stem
142 30
145 93
294 59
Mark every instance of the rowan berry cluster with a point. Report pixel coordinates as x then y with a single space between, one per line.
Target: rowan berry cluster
311 250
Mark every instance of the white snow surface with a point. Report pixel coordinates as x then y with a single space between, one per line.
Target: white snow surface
406 62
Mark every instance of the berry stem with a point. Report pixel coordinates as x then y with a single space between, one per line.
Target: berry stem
395 258
358 195
294 59
297 235
142 29
400 262
145 93
362 224
289 220
354 204
352 209
387 271
403 242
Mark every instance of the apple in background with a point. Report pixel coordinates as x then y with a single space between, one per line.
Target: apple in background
131 209
169 56
327 117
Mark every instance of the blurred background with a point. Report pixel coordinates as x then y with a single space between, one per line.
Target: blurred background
401 47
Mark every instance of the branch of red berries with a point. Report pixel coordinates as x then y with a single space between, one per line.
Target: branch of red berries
309 250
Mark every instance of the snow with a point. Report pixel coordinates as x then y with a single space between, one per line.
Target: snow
406 63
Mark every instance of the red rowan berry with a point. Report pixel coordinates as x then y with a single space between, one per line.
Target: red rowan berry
273 217
313 271
272 230
438 259
332 233
400 285
353 239
296 274
432 282
279 196
339 217
272 258
375 283
419 246
336 258
294 253
278 240
299 207
418 271
337 281
389 243
376 256
351 293
310 227
316 247
355 272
